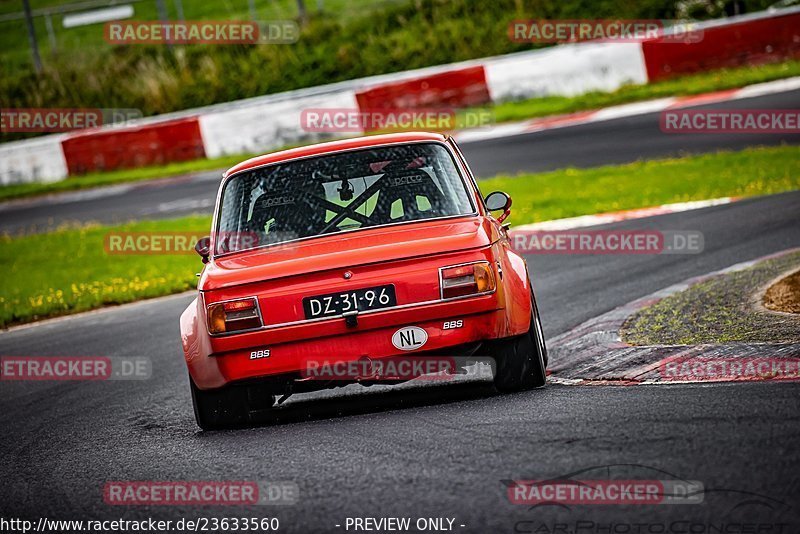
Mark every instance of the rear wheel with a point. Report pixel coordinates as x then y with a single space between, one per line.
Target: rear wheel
228 406
522 361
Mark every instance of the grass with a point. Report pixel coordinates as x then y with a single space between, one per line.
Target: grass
69 271
719 310
504 112
573 192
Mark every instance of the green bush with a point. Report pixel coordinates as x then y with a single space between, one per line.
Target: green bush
399 36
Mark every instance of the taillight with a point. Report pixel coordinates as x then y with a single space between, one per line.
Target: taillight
464 280
233 316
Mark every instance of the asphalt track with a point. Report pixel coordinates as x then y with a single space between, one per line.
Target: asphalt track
425 451
588 145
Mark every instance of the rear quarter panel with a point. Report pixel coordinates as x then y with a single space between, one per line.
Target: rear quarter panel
203 369
514 284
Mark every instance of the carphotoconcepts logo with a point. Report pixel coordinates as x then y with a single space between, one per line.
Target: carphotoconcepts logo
605 492
200 493
344 120
167 243
202 32
62 119
729 369
398 368
603 30
607 242
23 368
741 121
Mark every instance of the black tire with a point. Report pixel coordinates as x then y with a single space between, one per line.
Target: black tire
229 406
521 362
541 344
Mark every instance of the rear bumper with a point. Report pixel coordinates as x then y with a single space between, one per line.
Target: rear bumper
481 320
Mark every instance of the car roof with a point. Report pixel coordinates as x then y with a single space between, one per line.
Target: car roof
334 146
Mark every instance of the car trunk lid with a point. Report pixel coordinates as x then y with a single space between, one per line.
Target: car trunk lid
346 250
406 257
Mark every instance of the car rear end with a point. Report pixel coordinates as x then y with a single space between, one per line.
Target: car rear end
342 251
347 302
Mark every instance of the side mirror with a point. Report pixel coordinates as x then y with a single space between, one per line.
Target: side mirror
203 248
499 201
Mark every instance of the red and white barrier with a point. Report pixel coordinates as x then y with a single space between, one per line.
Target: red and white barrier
746 40
565 70
34 160
136 146
457 88
249 129
265 123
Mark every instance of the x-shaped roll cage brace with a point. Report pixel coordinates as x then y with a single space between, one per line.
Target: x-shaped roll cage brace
349 211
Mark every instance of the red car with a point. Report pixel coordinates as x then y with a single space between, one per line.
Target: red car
364 249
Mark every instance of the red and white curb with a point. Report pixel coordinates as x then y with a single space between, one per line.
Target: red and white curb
626 110
584 221
593 353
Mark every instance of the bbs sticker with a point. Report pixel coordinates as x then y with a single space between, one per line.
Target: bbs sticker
258 354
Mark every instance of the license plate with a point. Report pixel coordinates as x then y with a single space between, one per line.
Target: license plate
334 304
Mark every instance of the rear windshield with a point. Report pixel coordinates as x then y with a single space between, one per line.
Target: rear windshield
340 192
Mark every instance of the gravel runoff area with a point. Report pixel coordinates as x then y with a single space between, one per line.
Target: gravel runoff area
784 295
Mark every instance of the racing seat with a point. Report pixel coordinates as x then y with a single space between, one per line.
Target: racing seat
288 214
408 186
